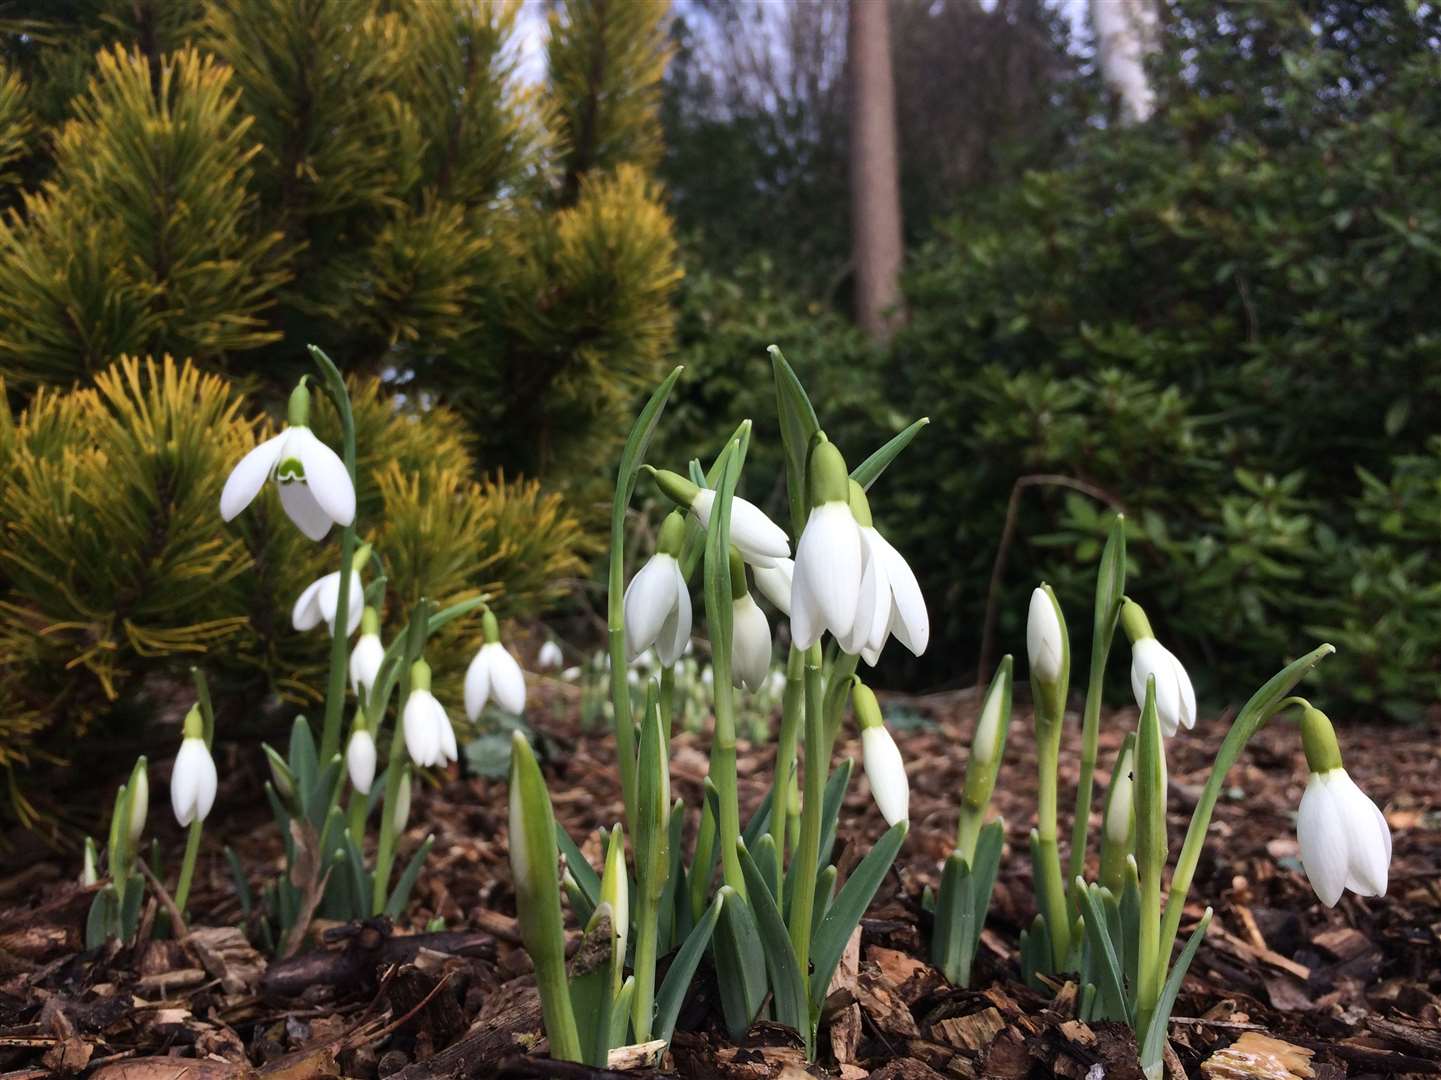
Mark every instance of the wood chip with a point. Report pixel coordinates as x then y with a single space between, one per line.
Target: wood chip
636 1056
1346 943
845 1034
227 956
1259 1057
973 1032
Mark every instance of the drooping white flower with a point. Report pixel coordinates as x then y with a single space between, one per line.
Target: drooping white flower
890 597
321 598
1175 699
1345 841
360 760
774 582
550 657
750 644
826 587
429 738
365 661
494 673
193 780
315 487
760 541
1045 642
658 610
881 758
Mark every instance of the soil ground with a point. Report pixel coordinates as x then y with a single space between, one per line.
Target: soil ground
1282 986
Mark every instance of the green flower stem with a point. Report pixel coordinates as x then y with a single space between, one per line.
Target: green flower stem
652 857
340 640
1263 704
723 771
1058 922
619 688
1110 588
838 688
792 711
356 818
808 847
187 865
1150 795
385 847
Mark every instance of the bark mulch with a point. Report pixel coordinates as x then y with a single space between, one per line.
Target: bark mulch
1282 987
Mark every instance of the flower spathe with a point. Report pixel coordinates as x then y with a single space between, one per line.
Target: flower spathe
750 644
1175 698
320 599
360 760
193 781
1345 841
494 673
315 487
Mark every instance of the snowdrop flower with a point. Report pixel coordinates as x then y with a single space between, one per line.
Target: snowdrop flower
826 588
321 599
360 757
550 657
368 654
1345 841
774 582
657 600
193 780
890 597
1045 637
493 673
760 540
315 487
1175 699
750 633
881 757
429 738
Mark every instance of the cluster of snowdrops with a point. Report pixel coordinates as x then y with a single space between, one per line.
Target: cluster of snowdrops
761 899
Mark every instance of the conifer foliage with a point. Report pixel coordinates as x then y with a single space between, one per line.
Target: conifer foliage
225 183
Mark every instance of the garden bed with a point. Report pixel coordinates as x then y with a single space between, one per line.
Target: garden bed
1281 987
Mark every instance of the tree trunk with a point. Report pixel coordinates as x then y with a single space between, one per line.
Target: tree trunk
876 248
1127 32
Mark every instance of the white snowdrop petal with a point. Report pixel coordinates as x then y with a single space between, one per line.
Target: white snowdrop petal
306 615
184 784
774 582
750 644
300 507
360 761
1368 838
674 633
1321 833
752 531
648 601
447 750
249 476
830 552
873 604
1188 694
477 684
325 476
910 622
806 625
422 741
507 681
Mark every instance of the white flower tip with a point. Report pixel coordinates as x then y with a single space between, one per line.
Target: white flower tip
1044 644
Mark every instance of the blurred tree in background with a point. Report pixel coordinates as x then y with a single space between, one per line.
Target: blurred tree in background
1224 320
224 183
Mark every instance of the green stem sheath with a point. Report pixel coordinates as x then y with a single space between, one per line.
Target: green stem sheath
792 712
1058 922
